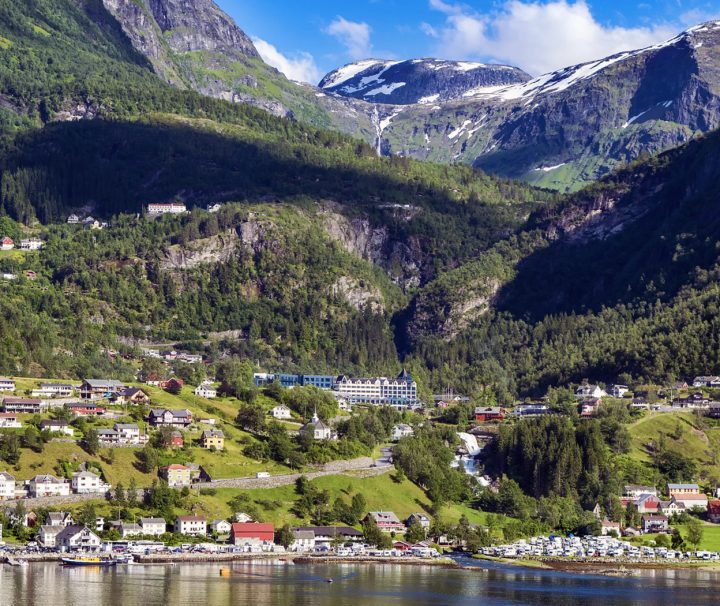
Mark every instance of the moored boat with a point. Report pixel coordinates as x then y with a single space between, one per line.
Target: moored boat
88 561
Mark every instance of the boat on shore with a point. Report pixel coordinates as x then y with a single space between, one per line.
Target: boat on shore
88 561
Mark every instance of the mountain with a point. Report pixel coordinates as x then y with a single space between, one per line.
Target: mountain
193 44
569 127
621 277
417 80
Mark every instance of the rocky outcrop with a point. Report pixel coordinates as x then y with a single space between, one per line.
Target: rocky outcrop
216 249
360 296
404 262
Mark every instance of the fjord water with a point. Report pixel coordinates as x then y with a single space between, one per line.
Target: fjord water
354 585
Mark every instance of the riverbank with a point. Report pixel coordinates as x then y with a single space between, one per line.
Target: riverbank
603 566
208 558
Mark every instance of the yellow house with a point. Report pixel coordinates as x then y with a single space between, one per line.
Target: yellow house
213 438
176 475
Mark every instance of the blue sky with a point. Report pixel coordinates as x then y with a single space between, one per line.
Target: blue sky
308 38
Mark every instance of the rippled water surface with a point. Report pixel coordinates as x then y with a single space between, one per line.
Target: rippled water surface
285 584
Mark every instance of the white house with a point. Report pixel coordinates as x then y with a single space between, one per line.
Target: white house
221 527
9 420
7 243
86 482
303 541
48 486
56 426
153 526
130 530
128 433
401 431
31 244
206 391
619 391
53 390
59 518
7 486
281 412
77 537
317 429
590 391
173 208
73 219
191 526
7 384
47 535
243 518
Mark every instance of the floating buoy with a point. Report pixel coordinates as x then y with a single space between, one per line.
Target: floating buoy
224 572
328 580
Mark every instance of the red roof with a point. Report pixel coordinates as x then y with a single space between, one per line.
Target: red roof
253 530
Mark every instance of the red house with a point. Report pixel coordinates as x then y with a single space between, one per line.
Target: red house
252 532
713 511
172 385
483 414
80 409
7 243
176 440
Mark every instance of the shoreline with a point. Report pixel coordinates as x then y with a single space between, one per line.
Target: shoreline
603 566
220 558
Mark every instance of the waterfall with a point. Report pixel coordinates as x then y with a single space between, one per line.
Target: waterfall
471 443
468 462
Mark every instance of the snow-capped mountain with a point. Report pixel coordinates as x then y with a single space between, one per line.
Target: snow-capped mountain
573 125
417 80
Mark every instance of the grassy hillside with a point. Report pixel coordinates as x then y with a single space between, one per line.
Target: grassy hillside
684 433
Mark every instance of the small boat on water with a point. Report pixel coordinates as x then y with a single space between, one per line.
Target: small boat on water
88 561
17 562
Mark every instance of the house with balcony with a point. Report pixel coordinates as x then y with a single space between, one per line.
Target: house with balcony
176 475
48 486
86 482
386 521
9 420
163 417
194 526
7 486
98 389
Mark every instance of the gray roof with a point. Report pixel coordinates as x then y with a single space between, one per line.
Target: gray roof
45 478
332 531
54 423
71 531
127 426
303 534
213 433
103 383
6 476
182 413
152 521
682 487
385 516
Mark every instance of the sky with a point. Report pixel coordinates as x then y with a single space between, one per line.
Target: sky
307 38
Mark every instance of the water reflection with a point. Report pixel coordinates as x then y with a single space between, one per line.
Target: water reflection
264 584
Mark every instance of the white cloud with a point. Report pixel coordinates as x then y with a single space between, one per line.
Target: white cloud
429 30
538 36
300 67
354 36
